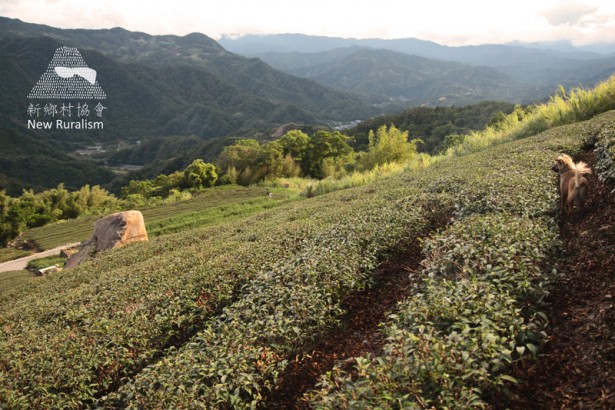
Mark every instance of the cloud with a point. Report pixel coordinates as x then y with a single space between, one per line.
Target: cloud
569 14
448 22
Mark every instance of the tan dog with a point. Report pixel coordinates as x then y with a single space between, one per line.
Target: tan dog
572 184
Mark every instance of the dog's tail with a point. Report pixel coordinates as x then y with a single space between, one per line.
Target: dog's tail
580 168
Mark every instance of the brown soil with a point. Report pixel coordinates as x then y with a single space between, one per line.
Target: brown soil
360 334
576 369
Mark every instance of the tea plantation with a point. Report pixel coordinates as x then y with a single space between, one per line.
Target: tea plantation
208 318
210 207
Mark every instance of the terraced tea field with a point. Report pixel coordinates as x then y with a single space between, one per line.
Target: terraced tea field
211 317
211 207
207 208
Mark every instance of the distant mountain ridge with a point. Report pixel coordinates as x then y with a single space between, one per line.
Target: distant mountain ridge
257 44
387 77
534 71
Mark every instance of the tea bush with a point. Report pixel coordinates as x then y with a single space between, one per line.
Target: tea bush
499 248
107 320
605 154
474 313
209 317
239 355
479 307
442 346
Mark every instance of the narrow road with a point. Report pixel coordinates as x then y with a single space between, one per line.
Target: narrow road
21 263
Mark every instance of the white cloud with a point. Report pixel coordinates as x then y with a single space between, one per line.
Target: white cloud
569 13
450 22
582 22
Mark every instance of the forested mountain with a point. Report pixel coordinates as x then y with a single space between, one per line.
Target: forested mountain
532 71
386 77
170 85
156 86
26 162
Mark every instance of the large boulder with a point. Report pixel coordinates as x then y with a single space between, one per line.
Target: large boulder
110 232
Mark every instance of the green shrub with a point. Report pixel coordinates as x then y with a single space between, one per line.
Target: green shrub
480 305
289 303
497 248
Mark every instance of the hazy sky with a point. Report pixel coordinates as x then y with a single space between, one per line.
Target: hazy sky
451 22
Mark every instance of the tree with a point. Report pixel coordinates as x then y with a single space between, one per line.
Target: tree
245 157
294 143
4 204
323 145
57 200
135 187
37 209
389 145
7 231
242 154
229 177
497 120
270 164
252 161
164 184
200 174
31 211
290 168
451 141
100 201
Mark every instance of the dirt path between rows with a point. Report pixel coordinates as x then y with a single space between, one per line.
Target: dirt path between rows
576 369
360 334
365 311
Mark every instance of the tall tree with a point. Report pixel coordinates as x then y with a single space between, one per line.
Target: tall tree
295 143
200 174
388 145
323 145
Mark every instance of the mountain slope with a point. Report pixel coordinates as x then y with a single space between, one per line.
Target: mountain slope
289 97
215 315
179 99
27 163
384 75
155 86
538 70
141 100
